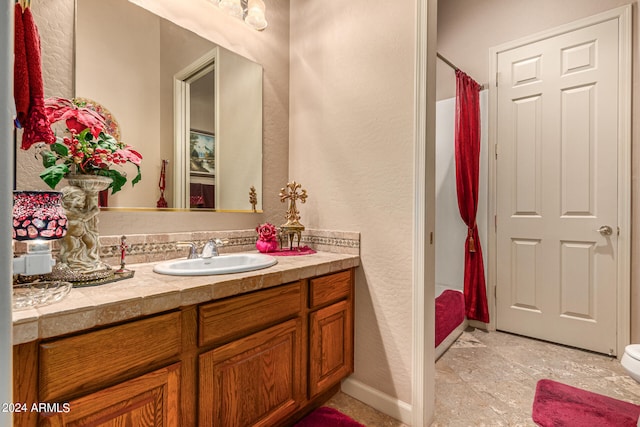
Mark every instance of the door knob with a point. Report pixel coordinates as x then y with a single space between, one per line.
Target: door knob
605 230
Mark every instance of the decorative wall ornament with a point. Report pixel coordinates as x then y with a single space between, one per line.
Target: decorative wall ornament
253 198
293 228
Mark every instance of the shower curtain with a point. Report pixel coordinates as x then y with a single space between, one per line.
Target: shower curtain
467 156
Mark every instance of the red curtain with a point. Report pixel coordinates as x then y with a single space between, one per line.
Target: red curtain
467 150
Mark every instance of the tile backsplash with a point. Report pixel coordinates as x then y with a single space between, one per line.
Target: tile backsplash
159 247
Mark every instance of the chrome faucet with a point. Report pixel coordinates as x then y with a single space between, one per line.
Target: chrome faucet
210 248
193 253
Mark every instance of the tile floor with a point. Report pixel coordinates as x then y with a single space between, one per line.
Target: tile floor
489 379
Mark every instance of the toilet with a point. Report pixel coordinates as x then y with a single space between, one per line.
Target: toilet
631 361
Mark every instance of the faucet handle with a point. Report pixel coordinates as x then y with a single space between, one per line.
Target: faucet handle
211 247
193 252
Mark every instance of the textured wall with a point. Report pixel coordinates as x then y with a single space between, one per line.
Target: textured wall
351 147
463 38
270 48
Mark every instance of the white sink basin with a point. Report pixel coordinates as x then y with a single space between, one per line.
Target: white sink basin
222 264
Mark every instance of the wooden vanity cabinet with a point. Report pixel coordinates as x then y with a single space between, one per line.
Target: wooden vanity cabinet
330 331
121 375
253 375
264 358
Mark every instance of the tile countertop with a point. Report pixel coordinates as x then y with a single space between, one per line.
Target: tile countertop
148 293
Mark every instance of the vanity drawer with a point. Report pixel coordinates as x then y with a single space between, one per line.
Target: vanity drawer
235 317
87 362
330 288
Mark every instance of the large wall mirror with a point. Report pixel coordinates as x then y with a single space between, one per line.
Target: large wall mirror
178 99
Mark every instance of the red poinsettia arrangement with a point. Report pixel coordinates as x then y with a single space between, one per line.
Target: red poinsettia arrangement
87 149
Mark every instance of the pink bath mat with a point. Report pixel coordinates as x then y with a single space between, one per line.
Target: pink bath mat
560 405
327 417
449 313
304 250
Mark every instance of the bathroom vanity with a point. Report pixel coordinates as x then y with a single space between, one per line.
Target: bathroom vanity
259 348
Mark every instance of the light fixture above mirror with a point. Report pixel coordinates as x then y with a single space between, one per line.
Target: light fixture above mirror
251 11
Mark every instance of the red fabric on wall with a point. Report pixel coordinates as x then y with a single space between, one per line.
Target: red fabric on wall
36 127
20 70
467 153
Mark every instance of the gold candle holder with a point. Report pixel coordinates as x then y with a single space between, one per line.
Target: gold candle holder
253 198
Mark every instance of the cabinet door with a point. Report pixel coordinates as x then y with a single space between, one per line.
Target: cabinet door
253 381
330 346
149 400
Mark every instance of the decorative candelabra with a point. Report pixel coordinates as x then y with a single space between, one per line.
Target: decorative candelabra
253 198
293 228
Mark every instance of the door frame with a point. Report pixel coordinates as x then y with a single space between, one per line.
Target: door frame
182 124
623 15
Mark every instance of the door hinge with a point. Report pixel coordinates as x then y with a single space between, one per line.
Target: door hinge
431 238
495 222
497 77
495 292
495 149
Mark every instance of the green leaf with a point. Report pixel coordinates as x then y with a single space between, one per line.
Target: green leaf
85 135
59 149
137 178
53 174
48 158
107 142
118 179
110 139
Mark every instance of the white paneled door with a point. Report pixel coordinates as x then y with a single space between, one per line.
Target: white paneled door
557 188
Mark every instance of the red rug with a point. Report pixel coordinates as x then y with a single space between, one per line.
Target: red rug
560 405
449 313
304 250
327 417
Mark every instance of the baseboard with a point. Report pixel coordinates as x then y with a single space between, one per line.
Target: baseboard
378 400
479 325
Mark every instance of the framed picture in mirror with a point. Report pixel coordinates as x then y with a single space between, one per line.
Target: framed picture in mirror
202 153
